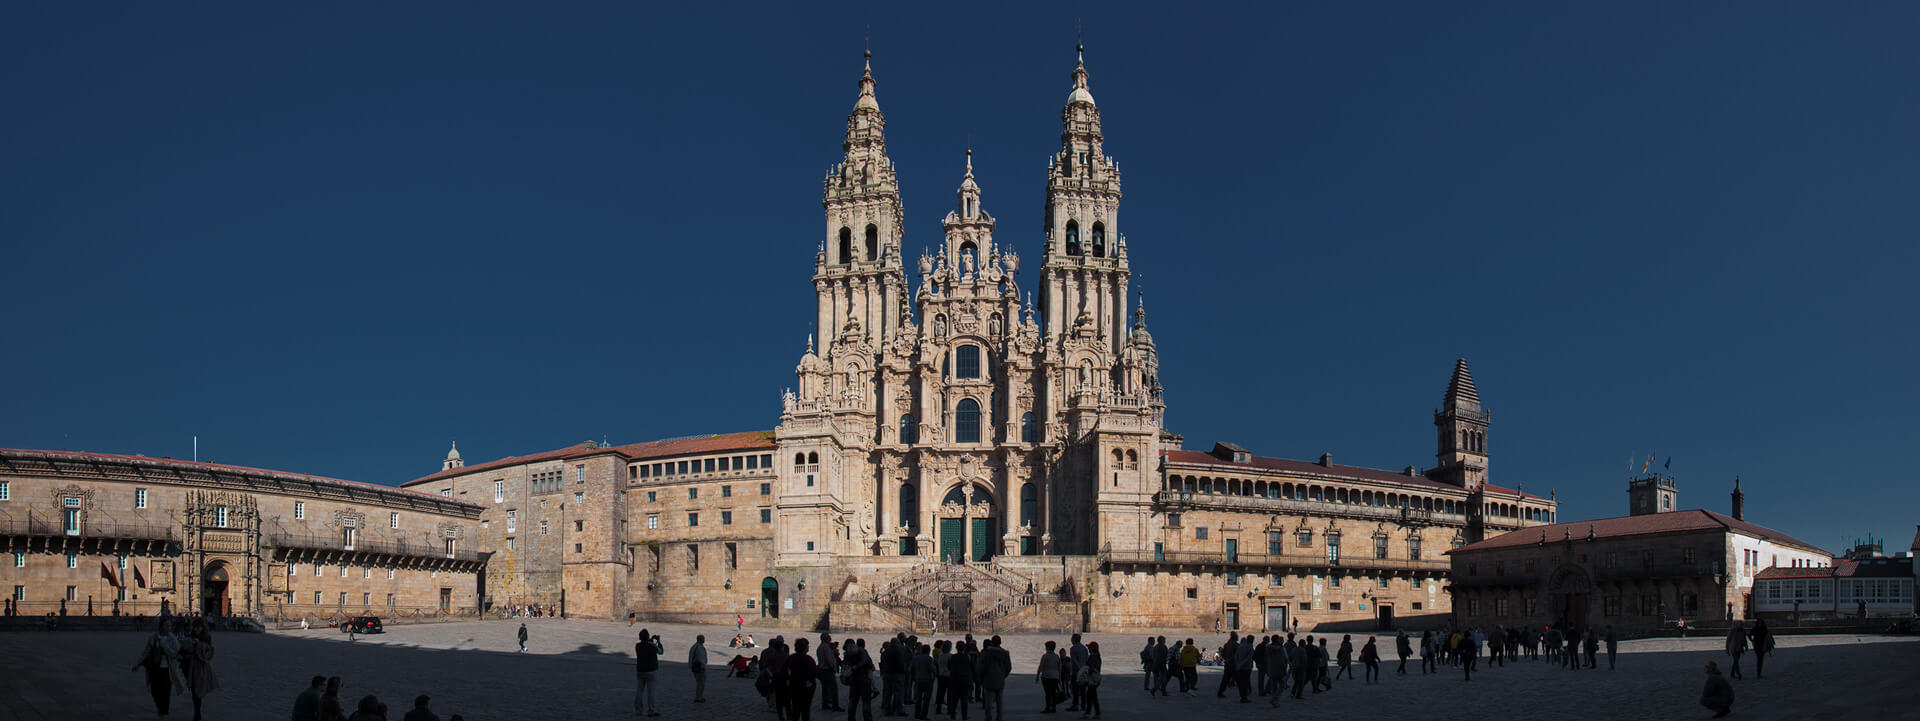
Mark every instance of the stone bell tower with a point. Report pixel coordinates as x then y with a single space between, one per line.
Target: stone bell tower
858 276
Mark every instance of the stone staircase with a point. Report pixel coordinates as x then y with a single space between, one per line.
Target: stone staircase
922 594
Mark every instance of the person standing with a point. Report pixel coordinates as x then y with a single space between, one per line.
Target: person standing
1298 656
1048 676
828 659
1370 657
1320 668
1613 645
306 706
893 675
1736 645
330 708
1572 651
1079 655
1426 653
157 658
802 674
1718 695
859 670
646 662
960 672
921 673
995 666
198 651
523 638
1090 681
697 663
1762 645
1592 646
1469 655
1146 666
1227 653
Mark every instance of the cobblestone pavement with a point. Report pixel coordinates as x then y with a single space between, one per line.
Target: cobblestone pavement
583 669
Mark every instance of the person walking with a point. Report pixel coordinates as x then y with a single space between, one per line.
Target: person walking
1048 676
1404 647
158 658
1426 653
523 639
646 662
306 706
859 674
1762 645
1090 680
1243 670
1370 657
1736 644
1613 645
697 663
1345 657
1298 657
802 675
828 659
1189 668
1469 653
197 649
1572 651
1718 694
1227 666
1146 666
1276 683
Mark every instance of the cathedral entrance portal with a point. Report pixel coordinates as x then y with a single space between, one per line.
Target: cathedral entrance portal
213 591
969 528
952 539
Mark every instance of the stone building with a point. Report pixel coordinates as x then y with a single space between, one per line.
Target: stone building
127 533
959 452
1865 583
1653 568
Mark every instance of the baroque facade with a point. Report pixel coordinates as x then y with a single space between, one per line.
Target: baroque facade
121 535
960 452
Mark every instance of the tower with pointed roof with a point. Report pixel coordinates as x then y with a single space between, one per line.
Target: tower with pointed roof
1462 425
858 277
453 458
1084 273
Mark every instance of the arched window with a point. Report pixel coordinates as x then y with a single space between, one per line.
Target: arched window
1119 459
1073 238
1206 485
799 459
846 245
873 242
968 248
966 361
1028 434
1029 504
909 506
1133 461
966 422
909 429
813 459
1099 240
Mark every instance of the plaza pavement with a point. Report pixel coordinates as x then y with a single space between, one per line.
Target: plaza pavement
583 670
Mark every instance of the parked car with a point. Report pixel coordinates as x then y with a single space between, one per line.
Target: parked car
362 624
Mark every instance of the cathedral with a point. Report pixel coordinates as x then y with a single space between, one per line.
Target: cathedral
960 418
957 453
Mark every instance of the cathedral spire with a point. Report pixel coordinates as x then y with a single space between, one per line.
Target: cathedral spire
1460 390
867 99
1080 92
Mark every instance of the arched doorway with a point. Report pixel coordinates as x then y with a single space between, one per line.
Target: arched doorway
969 524
1570 589
770 598
213 591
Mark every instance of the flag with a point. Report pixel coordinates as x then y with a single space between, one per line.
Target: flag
138 577
107 573
1669 463
1648 464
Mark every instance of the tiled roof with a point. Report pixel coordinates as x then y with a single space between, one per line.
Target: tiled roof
170 463
1847 568
749 440
1673 522
1338 471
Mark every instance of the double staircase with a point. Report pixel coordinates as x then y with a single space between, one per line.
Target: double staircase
955 597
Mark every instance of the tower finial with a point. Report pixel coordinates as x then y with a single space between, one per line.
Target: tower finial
969 159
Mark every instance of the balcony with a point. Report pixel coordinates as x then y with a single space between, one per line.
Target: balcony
88 531
397 548
1318 562
1405 516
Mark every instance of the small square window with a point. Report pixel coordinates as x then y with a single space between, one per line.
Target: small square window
809 480
139 498
652 498
1200 533
766 489
726 518
653 522
693 519
1193 592
393 520
766 515
693 493
1334 606
73 560
576 548
726 491
299 510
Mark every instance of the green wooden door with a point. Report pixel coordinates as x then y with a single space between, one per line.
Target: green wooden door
983 538
952 543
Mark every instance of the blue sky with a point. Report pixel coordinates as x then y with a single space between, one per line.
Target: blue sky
330 239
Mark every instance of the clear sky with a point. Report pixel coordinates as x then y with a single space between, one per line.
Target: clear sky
332 238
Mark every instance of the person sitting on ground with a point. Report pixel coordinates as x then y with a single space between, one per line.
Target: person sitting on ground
737 667
420 711
369 709
1718 695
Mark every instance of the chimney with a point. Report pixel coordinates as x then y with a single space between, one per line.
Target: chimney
1326 459
1739 501
1411 471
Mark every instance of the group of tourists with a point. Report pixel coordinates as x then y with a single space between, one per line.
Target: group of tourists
178 660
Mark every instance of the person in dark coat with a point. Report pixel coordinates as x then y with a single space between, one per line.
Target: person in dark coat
158 658
1613 645
646 662
1736 644
1718 695
1345 657
197 650
827 658
960 673
921 673
1404 647
1592 647
802 674
1370 657
859 665
1762 645
995 666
